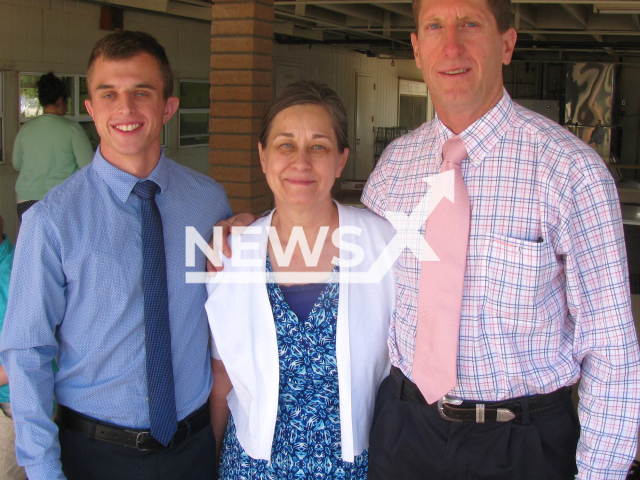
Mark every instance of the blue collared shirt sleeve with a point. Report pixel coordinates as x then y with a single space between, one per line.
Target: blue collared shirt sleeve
28 344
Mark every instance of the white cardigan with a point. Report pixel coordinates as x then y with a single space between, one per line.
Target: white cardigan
244 336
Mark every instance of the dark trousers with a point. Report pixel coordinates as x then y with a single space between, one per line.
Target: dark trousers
412 441
192 459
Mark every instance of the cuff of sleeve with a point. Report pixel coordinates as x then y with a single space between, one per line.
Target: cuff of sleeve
45 471
586 475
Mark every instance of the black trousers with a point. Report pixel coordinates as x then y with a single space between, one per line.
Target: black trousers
412 441
192 459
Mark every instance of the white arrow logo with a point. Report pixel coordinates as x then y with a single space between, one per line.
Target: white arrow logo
408 226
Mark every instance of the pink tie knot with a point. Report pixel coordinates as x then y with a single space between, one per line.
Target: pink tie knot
454 150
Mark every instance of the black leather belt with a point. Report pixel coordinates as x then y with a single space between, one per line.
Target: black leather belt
130 437
458 410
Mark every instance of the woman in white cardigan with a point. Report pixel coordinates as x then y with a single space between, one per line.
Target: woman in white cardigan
299 334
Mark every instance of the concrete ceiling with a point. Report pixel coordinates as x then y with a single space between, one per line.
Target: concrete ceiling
382 27
589 30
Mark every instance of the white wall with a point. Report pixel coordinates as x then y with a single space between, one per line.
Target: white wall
58 35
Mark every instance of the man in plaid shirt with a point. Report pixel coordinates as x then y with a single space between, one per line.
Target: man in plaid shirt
546 294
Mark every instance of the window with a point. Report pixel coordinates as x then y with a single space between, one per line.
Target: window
78 93
194 113
413 104
1 118
76 85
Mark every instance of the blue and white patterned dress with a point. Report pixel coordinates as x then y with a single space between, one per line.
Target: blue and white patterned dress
306 442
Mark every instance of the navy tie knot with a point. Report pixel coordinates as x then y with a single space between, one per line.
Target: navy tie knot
146 189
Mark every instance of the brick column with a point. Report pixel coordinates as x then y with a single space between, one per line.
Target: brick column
241 48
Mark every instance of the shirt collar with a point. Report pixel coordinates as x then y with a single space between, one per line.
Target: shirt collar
480 137
122 183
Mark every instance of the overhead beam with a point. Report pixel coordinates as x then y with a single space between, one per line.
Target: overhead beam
398 8
387 24
528 14
313 13
364 12
578 12
334 26
631 33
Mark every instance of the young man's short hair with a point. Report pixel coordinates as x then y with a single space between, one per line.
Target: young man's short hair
127 44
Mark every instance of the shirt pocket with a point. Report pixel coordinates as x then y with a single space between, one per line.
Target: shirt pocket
518 276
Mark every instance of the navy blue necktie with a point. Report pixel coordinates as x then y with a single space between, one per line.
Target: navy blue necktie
162 397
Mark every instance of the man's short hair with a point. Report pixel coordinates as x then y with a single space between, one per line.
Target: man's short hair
501 10
127 44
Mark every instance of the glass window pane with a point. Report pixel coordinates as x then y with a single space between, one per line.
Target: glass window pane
194 95
84 95
419 111
186 142
29 104
92 133
70 88
413 111
194 124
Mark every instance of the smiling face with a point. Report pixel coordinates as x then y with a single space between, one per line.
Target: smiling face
301 159
129 110
460 51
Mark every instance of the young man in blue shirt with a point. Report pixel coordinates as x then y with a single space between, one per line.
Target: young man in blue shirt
9 467
100 284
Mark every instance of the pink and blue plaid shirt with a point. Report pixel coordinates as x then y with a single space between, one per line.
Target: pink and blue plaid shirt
546 293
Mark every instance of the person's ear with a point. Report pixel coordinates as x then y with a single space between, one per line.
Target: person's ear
343 162
170 108
89 107
509 42
416 50
263 163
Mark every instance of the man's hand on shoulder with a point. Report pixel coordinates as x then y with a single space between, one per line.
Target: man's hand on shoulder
233 225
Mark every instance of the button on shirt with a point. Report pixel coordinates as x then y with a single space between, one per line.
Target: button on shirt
546 291
77 292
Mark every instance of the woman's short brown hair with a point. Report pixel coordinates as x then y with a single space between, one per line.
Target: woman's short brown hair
305 93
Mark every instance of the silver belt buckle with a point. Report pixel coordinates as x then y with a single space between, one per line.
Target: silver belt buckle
139 437
502 415
505 415
448 400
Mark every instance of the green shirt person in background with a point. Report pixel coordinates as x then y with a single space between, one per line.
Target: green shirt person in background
9 468
49 148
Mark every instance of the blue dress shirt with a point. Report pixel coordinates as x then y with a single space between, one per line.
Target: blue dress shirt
77 293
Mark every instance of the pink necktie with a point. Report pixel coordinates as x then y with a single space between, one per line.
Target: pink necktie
441 282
